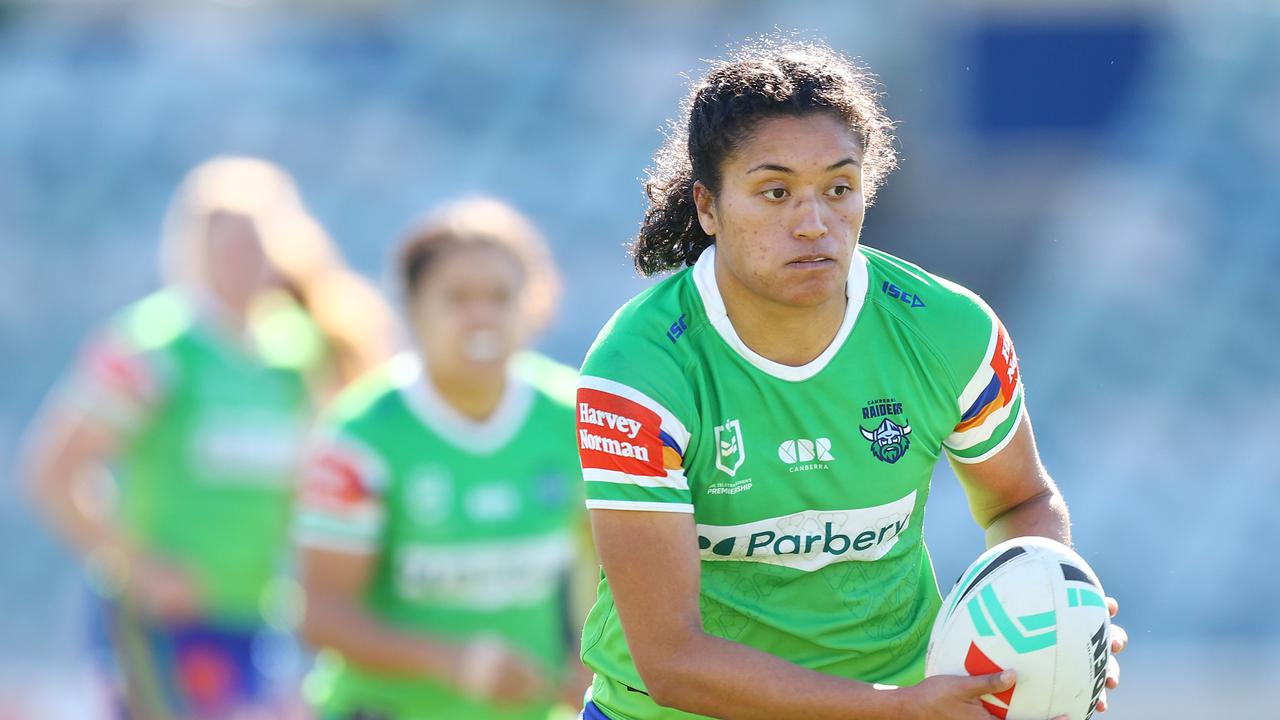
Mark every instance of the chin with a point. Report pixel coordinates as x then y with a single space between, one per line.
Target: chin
810 292
483 364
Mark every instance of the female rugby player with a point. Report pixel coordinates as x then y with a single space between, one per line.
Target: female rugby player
758 430
195 400
438 520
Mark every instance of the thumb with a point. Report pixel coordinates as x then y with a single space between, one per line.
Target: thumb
980 685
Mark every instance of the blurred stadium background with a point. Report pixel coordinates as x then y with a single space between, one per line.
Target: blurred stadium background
1105 173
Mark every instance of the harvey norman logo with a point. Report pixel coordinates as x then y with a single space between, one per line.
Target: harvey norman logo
813 539
620 424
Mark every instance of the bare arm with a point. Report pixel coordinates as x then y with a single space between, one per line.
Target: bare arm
335 583
652 564
65 463
1012 495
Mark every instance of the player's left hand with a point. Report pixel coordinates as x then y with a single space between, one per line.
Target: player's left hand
1119 640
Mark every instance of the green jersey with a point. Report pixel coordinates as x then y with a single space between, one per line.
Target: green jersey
472 526
211 432
807 484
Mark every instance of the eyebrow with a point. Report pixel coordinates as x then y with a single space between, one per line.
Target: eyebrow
785 169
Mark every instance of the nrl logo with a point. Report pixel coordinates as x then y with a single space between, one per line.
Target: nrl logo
731 452
889 441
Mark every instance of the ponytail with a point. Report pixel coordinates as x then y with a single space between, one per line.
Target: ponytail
670 235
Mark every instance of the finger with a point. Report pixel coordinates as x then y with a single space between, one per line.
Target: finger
1119 639
1113 673
1113 606
991 684
1102 702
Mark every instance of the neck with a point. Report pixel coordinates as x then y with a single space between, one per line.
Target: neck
225 318
474 392
785 334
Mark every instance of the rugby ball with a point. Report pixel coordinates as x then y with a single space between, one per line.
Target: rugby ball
1034 606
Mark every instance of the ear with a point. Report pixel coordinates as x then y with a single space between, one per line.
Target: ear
706 205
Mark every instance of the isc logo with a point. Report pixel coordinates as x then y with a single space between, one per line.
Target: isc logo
898 293
677 329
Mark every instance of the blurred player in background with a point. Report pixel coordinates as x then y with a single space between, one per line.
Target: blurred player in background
440 514
758 431
357 327
195 401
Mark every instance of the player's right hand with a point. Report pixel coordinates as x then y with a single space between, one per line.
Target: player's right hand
162 590
490 669
956 697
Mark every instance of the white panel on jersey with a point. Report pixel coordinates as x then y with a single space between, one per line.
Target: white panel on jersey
483 575
813 539
704 277
480 437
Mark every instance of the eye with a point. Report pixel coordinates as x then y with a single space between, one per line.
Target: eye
839 191
776 193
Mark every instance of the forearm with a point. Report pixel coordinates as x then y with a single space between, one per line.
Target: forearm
1044 515
363 640
712 676
59 490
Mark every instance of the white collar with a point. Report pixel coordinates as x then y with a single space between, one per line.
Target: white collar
704 277
481 437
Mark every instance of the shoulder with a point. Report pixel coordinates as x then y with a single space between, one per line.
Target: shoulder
143 338
642 346
554 382
369 399
127 367
635 380
151 324
955 322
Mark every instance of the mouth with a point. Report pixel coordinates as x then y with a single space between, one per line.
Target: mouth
811 262
482 346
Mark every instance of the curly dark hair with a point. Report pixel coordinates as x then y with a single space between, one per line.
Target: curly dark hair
765 78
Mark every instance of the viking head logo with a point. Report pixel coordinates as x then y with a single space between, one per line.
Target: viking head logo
889 442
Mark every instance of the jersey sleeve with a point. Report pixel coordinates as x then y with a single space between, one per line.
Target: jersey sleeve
632 433
340 504
991 403
116 382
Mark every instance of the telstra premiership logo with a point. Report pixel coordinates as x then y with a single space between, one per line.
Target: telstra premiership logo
730 452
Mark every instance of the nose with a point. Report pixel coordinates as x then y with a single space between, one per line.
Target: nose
809 223
482 315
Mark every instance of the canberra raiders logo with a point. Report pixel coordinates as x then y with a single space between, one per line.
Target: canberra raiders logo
889 441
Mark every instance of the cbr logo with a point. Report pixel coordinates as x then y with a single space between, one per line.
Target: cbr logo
730 450
794 451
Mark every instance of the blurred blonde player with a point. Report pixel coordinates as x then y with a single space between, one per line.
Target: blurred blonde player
440 514
195 400
357 328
